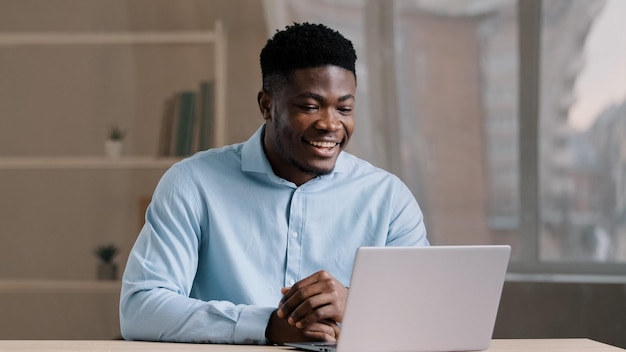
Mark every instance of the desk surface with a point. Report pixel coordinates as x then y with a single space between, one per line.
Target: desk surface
504 345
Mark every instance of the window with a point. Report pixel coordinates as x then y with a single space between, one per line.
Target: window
477 106
582 130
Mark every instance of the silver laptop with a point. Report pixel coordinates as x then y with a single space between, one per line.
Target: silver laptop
438 298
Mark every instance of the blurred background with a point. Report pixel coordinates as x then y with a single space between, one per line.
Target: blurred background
506 119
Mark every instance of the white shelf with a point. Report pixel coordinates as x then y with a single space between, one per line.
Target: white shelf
84 162
59 286
108 37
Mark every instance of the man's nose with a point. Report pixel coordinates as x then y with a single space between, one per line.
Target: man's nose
329 120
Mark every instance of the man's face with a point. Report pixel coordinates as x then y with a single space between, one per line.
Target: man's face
309 122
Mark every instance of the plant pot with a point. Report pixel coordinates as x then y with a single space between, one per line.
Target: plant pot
113 148
107 271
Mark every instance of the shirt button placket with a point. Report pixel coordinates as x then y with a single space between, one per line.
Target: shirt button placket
294 240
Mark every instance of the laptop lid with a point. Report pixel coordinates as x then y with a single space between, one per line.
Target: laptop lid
437 298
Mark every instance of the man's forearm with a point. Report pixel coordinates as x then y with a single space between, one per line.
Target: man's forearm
163 315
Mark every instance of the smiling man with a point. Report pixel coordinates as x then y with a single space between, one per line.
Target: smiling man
255 242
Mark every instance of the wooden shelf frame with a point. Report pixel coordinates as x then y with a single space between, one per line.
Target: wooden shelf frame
107 38
56 286
85 163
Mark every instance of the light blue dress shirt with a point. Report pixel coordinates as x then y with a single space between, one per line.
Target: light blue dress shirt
223 234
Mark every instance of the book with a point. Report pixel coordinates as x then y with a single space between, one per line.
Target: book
166 141
207 113
186 118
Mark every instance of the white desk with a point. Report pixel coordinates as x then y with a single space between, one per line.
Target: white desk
539 345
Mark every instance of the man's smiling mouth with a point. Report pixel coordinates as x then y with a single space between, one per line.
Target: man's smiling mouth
323 144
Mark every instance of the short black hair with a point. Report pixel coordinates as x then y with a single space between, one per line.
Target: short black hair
304 45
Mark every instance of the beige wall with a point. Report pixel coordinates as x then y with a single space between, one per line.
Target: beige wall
61 100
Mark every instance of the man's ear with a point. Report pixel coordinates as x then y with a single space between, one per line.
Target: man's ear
265 104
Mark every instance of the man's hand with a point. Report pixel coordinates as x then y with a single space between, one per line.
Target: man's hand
279 331
317 298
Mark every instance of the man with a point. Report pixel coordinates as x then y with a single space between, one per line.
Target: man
254 242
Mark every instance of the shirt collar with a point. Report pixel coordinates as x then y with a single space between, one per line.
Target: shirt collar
253 158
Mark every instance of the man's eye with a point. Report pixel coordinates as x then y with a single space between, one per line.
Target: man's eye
309 107
345 111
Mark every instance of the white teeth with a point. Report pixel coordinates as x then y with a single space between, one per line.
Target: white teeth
323 144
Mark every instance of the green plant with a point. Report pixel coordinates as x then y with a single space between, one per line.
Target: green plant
106 252
116 133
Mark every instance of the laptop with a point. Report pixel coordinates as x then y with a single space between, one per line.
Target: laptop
437 298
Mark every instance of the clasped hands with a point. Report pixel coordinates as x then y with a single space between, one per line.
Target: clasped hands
308 311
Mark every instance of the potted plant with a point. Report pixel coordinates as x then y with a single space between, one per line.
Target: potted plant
114 143
107 269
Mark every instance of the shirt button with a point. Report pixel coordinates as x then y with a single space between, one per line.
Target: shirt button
291 282
294 234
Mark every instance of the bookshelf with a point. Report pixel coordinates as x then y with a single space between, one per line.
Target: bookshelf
215 37
57 203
